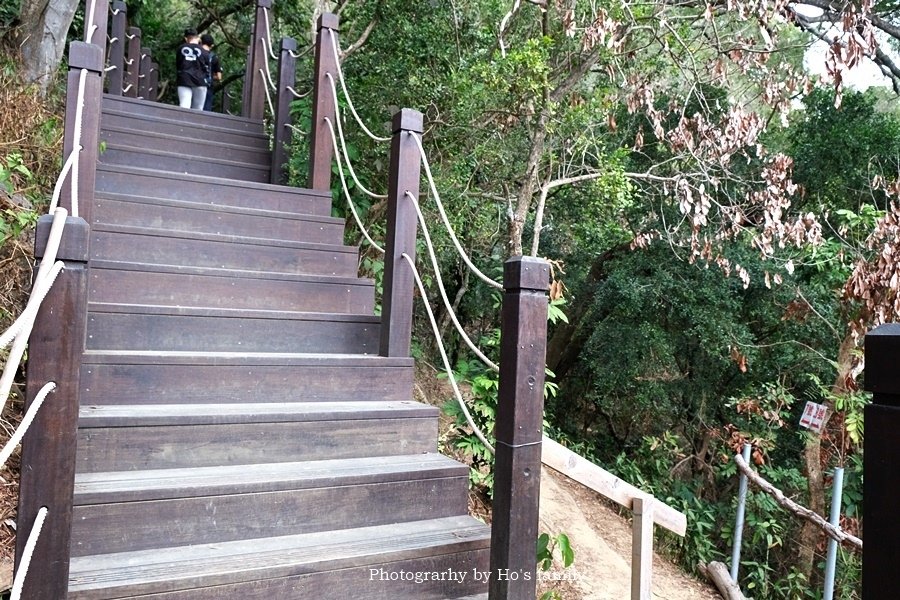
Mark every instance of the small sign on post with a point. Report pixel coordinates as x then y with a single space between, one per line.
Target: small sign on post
814 417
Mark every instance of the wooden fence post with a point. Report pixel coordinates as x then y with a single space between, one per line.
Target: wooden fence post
255 99
519 429
641 547
133 63
83 56
101 23
881 449
115 78
287 76
48 449
321 150
144 76
400 237
153 85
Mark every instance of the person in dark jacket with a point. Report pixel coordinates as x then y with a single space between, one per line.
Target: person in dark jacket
215 69
191 66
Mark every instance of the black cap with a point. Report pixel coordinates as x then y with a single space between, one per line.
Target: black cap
190 32
207 40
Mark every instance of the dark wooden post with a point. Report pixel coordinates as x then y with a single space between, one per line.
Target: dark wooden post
83 56
153 86
287 75
133 63
48 449
321 151
403 176
255 99
519 429
115 78
101 20
881 463
144 76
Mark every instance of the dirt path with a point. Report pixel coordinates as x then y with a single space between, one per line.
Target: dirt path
602 543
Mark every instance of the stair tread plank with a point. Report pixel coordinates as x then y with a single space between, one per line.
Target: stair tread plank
180 357
179 121
202 565
118 135
175 162
249 313
157 415
135 106
189 482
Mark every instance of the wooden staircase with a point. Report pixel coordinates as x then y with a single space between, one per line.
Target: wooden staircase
238 434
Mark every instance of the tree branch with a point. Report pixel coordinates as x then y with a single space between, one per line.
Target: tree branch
362 40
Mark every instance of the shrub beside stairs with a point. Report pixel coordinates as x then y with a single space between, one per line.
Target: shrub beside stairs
238 434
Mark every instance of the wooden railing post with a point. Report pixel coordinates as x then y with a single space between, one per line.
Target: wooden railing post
153 86
48 449
101 23
83 56
144 76
255 97
115 78
519 429
400 238
133 63
287 76
321 150
642 547
881 449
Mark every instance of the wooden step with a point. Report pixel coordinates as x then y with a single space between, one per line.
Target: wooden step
121 243
187 329
210 190
174 162
241 377
171 436
163 285
134 510
176 144
184 128
331 565
181 215
135 107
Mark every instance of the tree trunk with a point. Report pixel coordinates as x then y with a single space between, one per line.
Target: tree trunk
810 534
41 35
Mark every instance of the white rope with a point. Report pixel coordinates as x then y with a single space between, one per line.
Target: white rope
129 61
347 191
57 189
127 87
76 137
114 38
437 336
337 61
337 115
268 95
447 304
41 289
298 94
110 68
269 33
295 129
437 199
19 581
268 73
26 422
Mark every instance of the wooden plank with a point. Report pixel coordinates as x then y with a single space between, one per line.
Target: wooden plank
175 113
159 246
241 359
121 448
130 526
642 548
163 484
623 493
250 383
227 563
195 188
152 140
196 164
224 289
321 148
183 126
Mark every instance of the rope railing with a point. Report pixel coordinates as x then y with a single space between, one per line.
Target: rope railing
297 94
268 94
343 179
340 71
91 26
337 114
19 581
268 73
437 336
440 206
10 446
268 37
76 138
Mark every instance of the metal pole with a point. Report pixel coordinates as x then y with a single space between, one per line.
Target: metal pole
739 521
837 490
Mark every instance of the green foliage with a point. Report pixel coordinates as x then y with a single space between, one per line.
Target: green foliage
550 550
